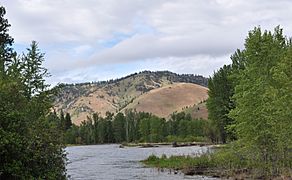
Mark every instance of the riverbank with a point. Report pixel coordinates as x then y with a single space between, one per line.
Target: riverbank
173 144
221 163
205 164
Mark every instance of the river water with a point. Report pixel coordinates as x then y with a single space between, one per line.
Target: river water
109 162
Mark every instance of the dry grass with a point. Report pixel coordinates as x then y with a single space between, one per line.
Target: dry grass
198 111
166 100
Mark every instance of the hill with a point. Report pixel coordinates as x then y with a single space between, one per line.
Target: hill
197 110
142 91
171 98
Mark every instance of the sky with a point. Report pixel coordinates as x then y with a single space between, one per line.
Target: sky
93 40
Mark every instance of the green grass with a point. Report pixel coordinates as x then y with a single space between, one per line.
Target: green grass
186 139
222 162
179 162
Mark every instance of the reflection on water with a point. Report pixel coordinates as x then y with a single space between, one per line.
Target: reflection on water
111 162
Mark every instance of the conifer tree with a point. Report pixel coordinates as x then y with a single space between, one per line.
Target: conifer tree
6 41
68 122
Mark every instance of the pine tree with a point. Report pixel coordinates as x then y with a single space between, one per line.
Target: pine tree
34 73
6 41
68 122
62 120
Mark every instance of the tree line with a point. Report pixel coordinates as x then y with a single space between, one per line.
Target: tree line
132 126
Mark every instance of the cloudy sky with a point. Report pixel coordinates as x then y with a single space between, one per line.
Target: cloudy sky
92 40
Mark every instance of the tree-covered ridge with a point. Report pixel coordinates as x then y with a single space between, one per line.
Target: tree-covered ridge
155 75
30 145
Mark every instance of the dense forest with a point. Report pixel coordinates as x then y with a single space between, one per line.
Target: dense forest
133 127
30 145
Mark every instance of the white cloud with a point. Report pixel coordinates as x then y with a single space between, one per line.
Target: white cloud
177 34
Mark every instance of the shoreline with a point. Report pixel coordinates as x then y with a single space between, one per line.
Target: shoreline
182 144
146 145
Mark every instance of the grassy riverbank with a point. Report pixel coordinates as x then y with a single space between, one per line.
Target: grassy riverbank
222 163
208 164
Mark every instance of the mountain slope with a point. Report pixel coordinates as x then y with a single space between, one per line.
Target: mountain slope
166 100
197 111
163 89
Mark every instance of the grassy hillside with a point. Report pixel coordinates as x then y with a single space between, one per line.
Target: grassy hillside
160 93
168 99
197 111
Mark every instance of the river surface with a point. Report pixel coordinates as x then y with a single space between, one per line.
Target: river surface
109 162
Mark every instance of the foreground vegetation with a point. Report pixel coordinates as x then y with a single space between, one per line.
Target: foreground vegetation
30 145
249 105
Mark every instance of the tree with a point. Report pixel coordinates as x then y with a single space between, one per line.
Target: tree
119 127
6 41
183 127
156 129
280 94
220 103
30 142
144 128
62 120
34 73
68 122
261 114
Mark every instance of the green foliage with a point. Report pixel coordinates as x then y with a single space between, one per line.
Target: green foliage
30 142
180 162
188 138
68 122
136 127
249 100
6 51
219 102
145 129
119 128
263 123
223 162
33 72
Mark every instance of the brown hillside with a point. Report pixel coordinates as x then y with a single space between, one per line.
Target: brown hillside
166 100
198 111
98 101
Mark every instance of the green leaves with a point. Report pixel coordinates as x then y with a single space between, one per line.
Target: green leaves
219 103
260 116
30 145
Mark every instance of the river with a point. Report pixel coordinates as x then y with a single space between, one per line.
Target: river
109 162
